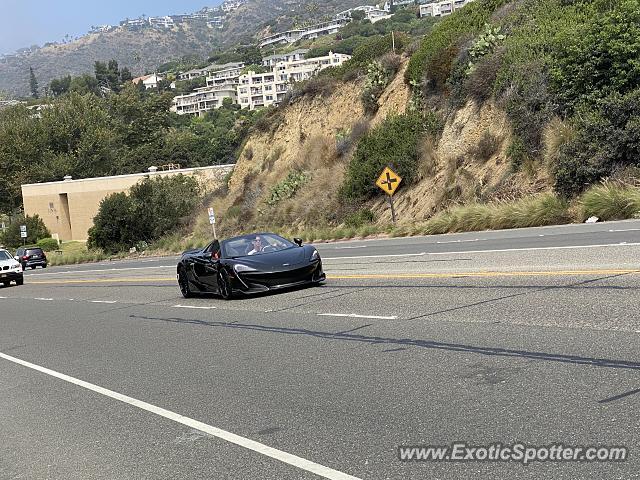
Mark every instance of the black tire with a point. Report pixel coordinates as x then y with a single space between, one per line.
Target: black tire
20 281
44 266
6 284
183 282
224 286
33 267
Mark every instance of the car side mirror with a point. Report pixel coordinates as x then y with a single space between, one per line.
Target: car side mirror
16 258
297 241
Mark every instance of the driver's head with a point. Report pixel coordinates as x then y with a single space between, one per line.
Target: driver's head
257 242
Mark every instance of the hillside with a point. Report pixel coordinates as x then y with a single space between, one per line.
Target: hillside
144 50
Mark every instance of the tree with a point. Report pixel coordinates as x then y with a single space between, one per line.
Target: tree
33 83
125 75
60 86
113 225
36 229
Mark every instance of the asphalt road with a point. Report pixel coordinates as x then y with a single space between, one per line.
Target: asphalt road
529 336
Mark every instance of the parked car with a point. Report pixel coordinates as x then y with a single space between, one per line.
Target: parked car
10 269
31 257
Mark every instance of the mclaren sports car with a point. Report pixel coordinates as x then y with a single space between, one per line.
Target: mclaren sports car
248 264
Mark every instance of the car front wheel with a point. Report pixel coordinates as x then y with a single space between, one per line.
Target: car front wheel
20 281
224 286
183 282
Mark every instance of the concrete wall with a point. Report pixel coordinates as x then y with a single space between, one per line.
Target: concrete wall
68 207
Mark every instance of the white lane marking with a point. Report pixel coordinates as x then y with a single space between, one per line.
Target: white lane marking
3 297
347 248
626 230
193 306
106 270
355 315
460 241
532 249
44 299
377 256
104 301
247 443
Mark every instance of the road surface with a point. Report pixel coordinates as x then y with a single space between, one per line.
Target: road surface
528 336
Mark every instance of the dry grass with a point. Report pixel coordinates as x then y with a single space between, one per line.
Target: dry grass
556 134
427 157
610 201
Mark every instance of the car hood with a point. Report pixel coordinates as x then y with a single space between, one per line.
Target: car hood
8 263
275 261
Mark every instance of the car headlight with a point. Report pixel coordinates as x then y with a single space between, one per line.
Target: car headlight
315 256
243 268
17 267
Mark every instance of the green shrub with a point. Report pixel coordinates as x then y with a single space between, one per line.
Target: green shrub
288 187
153 208
545 209
360 218
48 244
607 139
469 20
36 229
610 201
393 143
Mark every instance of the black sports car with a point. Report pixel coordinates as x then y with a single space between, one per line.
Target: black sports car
249 264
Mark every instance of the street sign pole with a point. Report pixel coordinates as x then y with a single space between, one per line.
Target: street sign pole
212 221
213 230
393 210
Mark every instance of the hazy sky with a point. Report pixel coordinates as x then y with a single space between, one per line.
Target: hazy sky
27 22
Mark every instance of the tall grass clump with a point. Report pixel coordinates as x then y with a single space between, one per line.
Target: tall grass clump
610 201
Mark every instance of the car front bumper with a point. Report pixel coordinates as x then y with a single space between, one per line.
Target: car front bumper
6 276
256 282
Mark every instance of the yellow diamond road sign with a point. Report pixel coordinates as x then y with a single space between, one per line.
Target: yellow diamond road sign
389 181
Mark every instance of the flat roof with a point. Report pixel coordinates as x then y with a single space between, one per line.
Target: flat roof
143 174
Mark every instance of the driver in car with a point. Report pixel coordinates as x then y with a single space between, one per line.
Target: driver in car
257 246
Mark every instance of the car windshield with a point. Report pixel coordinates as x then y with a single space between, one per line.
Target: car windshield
256 244
34 251
4 255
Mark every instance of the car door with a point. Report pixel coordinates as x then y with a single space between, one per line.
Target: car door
205 266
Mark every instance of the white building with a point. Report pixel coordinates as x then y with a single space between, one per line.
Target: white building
201 72
262 89
442 9
272 60
164 22
203 100
313 31
215 22
149 81
229 74
371 13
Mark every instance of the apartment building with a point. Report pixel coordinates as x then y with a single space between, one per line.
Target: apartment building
257 90
201 72
442 9
272 60
164 22
229 74
203 100
371 13
311 32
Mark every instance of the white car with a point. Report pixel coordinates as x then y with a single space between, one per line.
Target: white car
10 269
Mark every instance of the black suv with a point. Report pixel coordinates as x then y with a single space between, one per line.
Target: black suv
31 257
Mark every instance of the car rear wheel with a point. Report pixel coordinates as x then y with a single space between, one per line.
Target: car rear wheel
44 266
224 286
183 282
33 267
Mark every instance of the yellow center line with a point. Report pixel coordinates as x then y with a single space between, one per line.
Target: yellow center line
375 276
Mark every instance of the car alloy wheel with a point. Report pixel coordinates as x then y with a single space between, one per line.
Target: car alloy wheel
183 282
224 286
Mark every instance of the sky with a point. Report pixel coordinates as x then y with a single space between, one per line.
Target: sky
27 22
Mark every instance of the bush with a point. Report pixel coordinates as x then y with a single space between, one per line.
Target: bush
153 208
288 187
360 218
317 86
610 201
487 147
446 34
393 143
545 209
48 244
607 139
36 230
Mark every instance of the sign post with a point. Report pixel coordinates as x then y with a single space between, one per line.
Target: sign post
23 233
212 221
389 181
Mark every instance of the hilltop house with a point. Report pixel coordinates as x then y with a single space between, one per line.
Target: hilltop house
311 32
201 72
443 8
263 89
149 81
272 60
